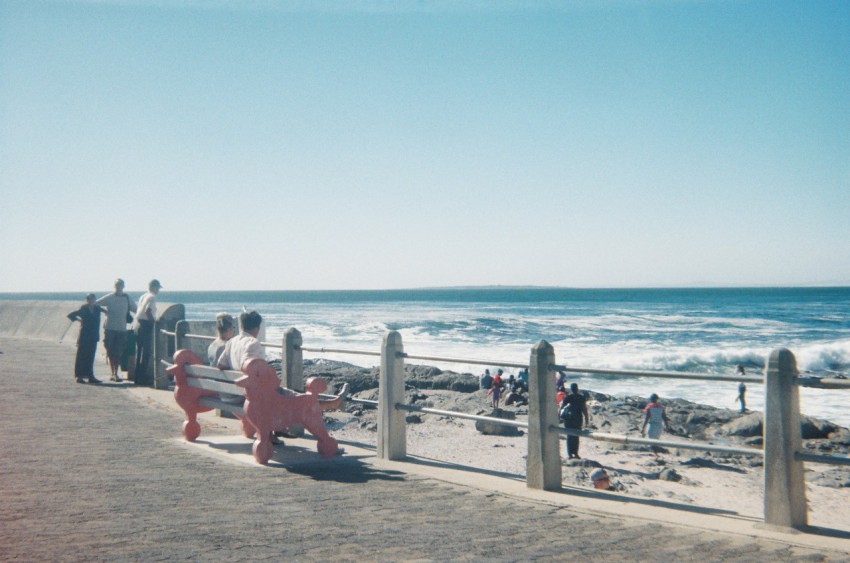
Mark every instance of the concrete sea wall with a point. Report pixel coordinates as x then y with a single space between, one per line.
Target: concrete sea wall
39 320
48 320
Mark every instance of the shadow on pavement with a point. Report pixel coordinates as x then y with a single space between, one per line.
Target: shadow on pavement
828 532
347 469
306 461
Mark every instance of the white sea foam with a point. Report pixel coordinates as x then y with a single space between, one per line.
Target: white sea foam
650 335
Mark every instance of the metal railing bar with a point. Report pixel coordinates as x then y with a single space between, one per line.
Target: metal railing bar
821 458
823 383
659 374
498 363
200 337
621 439
363 401
337 351
455 414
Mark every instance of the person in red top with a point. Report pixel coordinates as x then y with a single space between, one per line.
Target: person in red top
497 380
560 395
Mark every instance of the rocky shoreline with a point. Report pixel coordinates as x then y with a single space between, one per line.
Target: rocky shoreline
427 386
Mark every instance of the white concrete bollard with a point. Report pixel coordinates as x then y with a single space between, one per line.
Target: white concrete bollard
543 464
292 368
392 428
784 482
292 363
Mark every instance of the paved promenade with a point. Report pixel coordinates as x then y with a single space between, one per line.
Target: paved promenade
96 473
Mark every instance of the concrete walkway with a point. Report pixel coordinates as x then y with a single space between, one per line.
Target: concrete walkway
92 473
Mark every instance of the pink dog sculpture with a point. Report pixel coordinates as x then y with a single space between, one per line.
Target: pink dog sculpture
187 397
268 410
265 409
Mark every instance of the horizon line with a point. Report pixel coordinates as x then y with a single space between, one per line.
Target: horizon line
491 287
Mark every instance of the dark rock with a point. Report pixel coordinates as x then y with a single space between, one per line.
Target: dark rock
836 478
816 429
417 398
711 464
582 463
823 446
359 379
840 437
747 426
422 372
669 474
412 418
496 429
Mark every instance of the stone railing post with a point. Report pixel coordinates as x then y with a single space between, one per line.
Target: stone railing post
543 464
784 482
292 368
160 352
293 360
181 329
392 430
163 346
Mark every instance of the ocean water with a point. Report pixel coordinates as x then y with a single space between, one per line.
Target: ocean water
695 330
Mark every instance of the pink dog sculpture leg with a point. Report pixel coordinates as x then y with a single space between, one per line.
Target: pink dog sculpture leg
269 410
186 396
315 423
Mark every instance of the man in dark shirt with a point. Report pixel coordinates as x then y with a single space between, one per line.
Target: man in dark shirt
89 317
573 409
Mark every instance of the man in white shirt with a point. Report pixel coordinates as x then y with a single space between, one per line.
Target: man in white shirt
145 318
245 345
117 305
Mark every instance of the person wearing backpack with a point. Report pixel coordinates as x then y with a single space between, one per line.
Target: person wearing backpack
118 307
573 410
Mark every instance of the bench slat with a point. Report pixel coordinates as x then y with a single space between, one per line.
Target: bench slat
215 403
213 385
209 372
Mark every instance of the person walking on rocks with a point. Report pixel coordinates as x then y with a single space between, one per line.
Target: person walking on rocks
118 307
572 410
496 392
656 418
742 391
145 320
89 317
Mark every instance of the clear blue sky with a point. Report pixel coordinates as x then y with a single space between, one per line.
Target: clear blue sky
378 144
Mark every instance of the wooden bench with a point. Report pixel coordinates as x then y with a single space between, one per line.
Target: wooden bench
199 388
